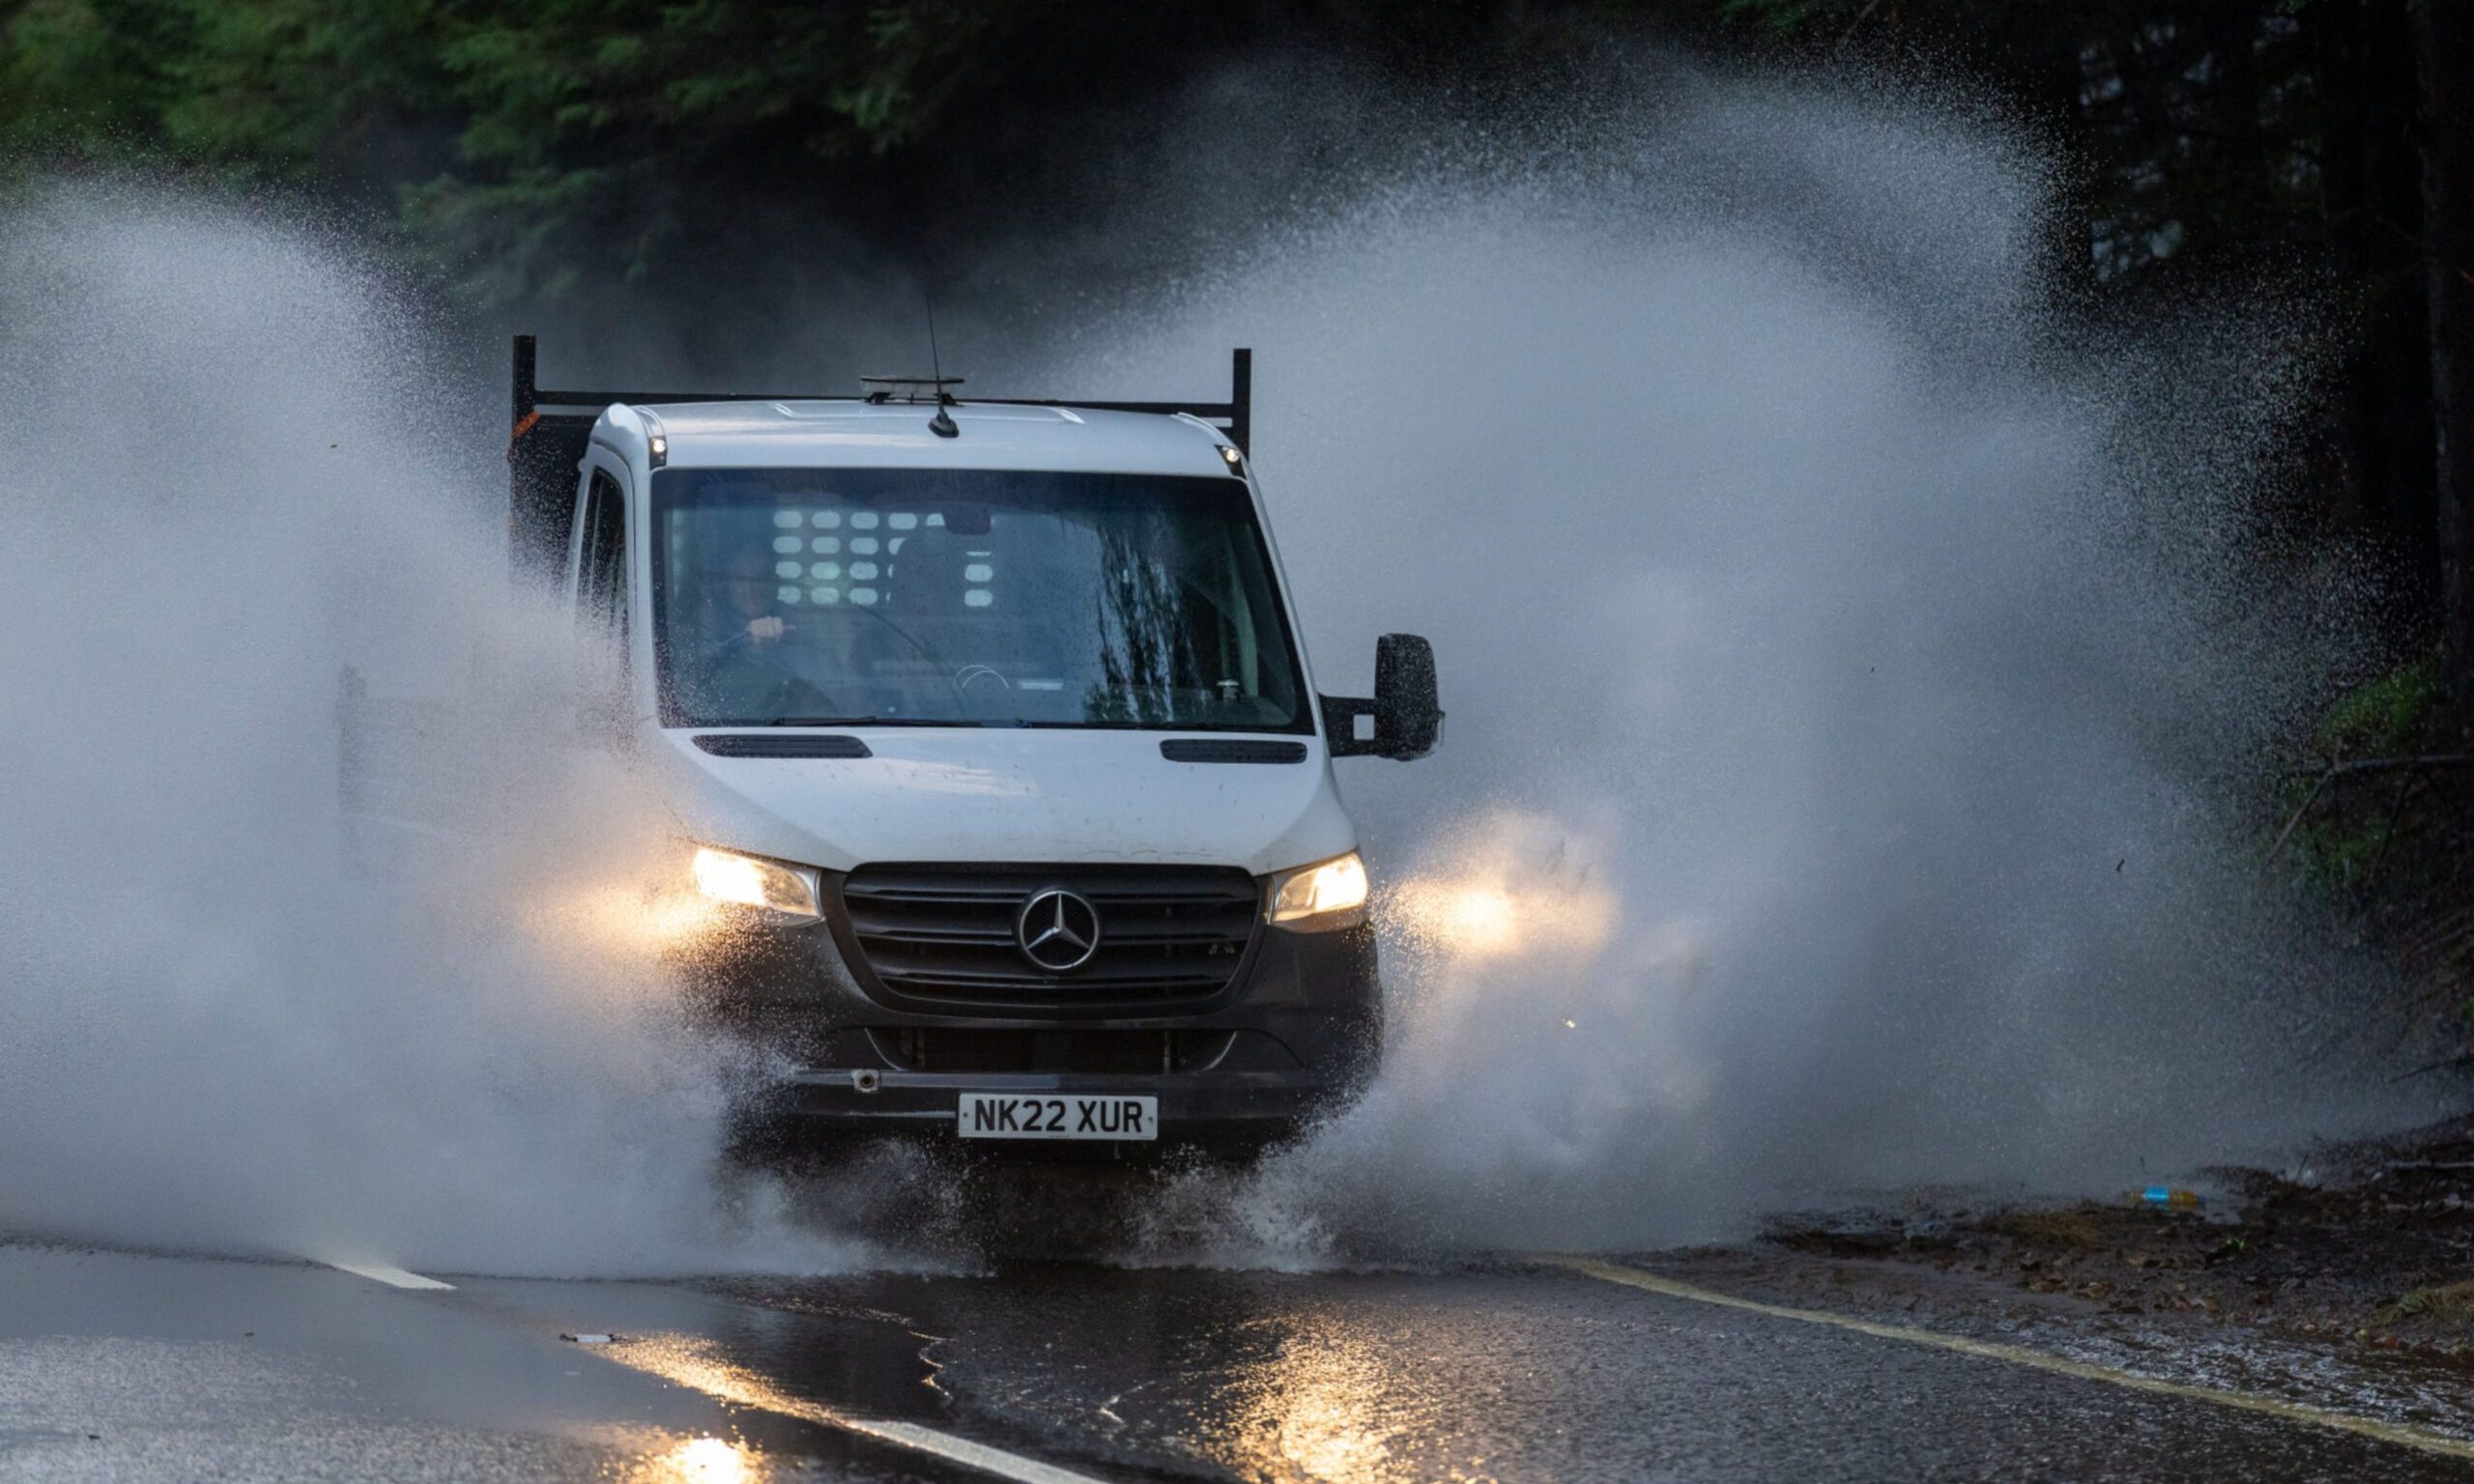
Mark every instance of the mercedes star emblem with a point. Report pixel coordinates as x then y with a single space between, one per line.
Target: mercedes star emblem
1058 930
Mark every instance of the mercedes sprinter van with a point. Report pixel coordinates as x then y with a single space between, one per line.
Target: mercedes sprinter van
997 755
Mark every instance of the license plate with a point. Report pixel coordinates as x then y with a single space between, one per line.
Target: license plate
1060 1116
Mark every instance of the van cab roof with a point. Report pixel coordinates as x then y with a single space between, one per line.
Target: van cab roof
854 434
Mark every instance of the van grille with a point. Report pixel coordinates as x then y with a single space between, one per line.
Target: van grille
1167 933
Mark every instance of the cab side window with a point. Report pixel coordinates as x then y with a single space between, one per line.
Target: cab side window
601 589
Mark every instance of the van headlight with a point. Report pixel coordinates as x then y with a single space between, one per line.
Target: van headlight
753 881
1319 898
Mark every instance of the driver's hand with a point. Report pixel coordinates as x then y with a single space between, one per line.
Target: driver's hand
764 628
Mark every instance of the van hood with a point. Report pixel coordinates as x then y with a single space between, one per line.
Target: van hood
1009 794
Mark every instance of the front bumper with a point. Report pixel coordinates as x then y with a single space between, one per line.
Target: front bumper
1294 1037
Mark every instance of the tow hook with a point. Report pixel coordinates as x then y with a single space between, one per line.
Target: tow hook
863 1080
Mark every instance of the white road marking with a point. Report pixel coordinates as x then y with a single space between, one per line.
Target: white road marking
955 1449
393 1278
689 1365
2402 1434
693 1362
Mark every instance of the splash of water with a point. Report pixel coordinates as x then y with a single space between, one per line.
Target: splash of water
1846 650
229 478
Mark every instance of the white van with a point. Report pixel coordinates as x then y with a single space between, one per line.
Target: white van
996 745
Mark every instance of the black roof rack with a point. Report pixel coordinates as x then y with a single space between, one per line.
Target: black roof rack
552 425
883 390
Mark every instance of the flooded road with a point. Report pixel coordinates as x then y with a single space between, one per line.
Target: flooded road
116 1364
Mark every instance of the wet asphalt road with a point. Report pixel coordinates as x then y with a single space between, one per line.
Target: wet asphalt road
117 1365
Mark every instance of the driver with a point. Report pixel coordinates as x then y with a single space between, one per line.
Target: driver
750 607
743 617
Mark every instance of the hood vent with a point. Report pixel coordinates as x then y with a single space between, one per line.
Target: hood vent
757 744
1220 750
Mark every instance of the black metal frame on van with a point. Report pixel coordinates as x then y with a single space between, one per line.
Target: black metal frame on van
551 428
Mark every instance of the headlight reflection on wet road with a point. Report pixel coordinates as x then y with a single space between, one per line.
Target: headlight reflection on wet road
701 1461
1309 1413
698 1364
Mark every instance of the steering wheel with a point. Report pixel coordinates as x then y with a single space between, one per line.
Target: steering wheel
956 681
799 696
789 694
741 635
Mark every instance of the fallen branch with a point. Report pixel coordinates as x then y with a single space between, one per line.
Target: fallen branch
2388 825
2444 1064
2286 833
2333 768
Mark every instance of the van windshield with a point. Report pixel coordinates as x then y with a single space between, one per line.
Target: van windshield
966 597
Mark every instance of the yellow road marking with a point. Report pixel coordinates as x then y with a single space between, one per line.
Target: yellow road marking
2406 1434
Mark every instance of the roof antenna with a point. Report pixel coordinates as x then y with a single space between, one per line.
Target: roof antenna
942 424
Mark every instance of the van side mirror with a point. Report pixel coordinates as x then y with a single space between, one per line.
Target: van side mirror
1406 709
